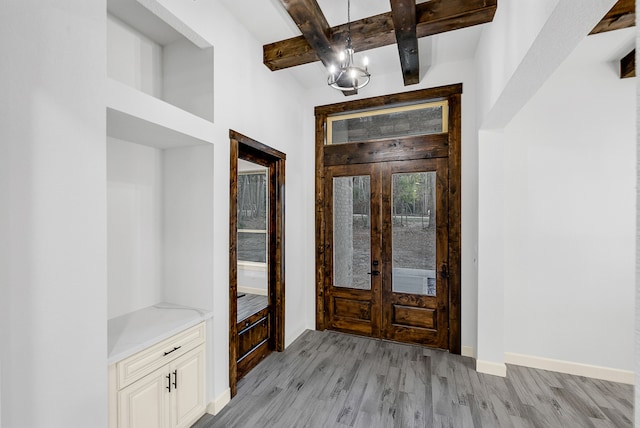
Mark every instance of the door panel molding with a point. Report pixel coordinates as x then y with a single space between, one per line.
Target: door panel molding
412 305
364 324
243 147
391 154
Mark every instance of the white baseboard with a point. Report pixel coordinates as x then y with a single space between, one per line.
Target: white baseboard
468 351
218 404
568 367
251 290
289 338
489 367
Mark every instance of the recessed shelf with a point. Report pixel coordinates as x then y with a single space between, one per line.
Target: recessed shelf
140 118
151 50
159 110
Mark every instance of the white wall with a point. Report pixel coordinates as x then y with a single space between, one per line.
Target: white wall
569 215
637 332
133 58
188 77
53 261
504 44
188 235
265 106
134 226
516 54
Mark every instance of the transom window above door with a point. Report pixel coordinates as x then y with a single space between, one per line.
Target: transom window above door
389 122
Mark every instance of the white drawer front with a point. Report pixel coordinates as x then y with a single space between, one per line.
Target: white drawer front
144 362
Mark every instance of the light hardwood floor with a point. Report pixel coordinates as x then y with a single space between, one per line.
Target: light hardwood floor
328 379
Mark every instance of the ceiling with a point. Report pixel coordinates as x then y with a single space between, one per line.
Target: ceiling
268 22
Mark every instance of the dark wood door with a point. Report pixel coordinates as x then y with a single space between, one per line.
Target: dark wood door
386 270
353 214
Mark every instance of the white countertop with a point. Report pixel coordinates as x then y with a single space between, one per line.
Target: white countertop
135 331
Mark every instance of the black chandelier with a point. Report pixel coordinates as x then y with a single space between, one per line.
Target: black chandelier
348 76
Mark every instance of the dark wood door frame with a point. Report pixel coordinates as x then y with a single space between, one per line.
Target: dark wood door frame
436 146
242 147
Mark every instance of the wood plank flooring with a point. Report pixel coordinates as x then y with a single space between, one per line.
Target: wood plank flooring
250 304
329 379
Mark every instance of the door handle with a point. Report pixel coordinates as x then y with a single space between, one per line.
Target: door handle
444 271
374 273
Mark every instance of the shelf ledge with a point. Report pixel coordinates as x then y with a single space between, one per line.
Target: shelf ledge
140 118
135 331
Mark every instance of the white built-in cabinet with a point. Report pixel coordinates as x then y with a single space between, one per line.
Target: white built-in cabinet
159 110
163 386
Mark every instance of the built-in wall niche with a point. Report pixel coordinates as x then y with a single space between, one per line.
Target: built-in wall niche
159 225
157 54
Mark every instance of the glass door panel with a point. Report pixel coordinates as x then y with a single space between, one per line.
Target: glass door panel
415 281
413 228
353 269
351 232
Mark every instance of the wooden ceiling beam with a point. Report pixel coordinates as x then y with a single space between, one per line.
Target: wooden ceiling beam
313 25
622 15
315 29
628 65
403 14
432 17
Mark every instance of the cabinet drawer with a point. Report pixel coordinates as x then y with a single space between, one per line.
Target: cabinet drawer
253 336
144 362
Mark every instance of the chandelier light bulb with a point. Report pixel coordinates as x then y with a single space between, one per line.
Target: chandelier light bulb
332 69
342 56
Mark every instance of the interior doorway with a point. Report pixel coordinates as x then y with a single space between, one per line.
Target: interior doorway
256 250
388 223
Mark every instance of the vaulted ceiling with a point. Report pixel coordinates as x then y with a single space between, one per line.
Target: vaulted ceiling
402 38
285 27
402 25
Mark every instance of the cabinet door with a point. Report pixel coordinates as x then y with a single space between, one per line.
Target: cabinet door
188 374
145 403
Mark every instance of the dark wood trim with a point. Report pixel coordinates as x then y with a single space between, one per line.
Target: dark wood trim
628 65
320 224
405 148
251 145
242 147
432 17
455 222
279 264
440 92
622 15
403 13
332 155
233 267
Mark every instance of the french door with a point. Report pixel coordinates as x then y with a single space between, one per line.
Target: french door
386 273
